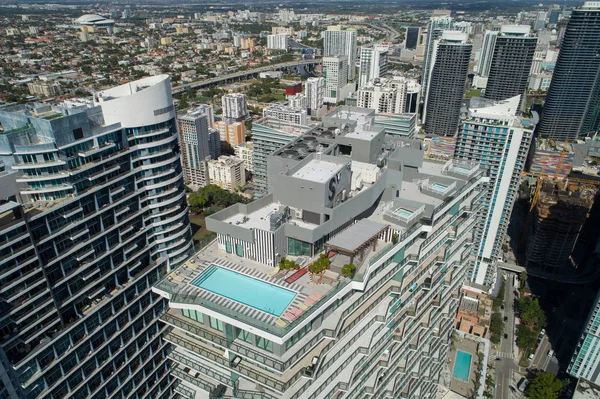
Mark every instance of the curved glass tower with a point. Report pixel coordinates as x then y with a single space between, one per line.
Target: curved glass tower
93 214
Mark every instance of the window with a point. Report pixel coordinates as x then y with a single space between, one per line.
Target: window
192 314
216 324
239 250
264 344
298 248
78 133
244 335
228 247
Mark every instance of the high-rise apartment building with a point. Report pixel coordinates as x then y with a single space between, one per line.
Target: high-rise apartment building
227 172
240 325
234 106
446 86
387 95
277 42
199 143
335 73
436 26
492 135
338 41
571 108
233 133
511 63
486 53
315 91
287 114
103 217
373 64
268 135
540 21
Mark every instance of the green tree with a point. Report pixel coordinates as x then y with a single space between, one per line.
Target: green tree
499 299
348 270
526 338
496 327
320 265
286 264
531 313
545 385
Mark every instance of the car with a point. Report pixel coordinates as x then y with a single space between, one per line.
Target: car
530 358
505 336
543 331
498 359
550 353
502 307
505 318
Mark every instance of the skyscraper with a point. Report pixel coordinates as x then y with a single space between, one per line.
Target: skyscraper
338 41
412 37
446 88
406 227
234 106
486 53
335 73
103 218
199 143
492 135
373 64
569 110
511 63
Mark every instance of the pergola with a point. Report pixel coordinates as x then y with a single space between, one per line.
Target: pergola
356 239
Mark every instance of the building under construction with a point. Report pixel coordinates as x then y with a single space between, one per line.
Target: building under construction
558 213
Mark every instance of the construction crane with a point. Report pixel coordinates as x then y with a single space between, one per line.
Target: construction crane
534 200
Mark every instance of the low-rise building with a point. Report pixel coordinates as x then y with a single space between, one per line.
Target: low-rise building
287 114
44 89
245 152
227 172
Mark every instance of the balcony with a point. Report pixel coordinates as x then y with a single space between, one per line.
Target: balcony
34 165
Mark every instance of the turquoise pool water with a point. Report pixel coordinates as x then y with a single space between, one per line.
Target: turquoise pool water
247 290
462 170
462 365
404 212
439 187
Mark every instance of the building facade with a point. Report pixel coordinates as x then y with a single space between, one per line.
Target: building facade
286 114
44 89
493 136
315 91
388 95
511 63
335 73
268 135
233 133
245 152
446 86
227 172
384 330
373 64
298 102
339 41
571 108
235 106
277 42
585 362
103 218
199 143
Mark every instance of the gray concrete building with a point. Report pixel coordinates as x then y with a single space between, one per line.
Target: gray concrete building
380 327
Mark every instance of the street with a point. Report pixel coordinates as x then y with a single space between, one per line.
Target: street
506 366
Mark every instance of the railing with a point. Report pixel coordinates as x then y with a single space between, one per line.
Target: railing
188 298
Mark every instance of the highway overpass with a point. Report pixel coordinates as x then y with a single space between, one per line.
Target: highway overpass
236 76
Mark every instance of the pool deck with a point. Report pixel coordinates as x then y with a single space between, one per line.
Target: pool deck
463 388
308 292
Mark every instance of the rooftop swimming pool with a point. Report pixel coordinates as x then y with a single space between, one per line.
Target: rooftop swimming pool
439 187
403 212
244 289
462 365
462 170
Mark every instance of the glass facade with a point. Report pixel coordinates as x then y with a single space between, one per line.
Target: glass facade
298 248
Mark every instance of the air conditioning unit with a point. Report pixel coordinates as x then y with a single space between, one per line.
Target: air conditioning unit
298 213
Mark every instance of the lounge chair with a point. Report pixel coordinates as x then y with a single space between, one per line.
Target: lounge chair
273 272
302 306
281 323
